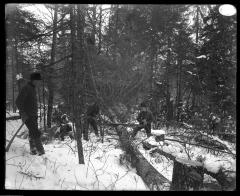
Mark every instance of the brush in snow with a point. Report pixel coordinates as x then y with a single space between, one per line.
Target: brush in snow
10 142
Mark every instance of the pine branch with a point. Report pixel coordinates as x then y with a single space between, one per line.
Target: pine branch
58 61
207 147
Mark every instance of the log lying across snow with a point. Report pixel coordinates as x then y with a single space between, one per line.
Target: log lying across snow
149 174
189 174
153 179
13 118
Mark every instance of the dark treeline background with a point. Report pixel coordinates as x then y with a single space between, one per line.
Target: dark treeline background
181 59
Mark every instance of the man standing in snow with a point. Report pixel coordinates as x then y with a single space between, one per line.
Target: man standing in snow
26 102
145 119
90 118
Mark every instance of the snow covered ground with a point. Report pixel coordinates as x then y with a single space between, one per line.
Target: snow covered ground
58 169
213 162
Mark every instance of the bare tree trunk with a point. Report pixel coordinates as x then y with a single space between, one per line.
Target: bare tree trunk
50 104
197 30
100 31
39 99
178 99
77 66
13 85
115 38
151 67
17 63
80 77
94 25
44 106
177 92
197 24
50 82
168 102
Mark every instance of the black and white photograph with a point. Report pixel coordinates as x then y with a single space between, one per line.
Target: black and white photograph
120 97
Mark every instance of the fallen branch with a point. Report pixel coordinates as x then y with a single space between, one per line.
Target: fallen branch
9 144
222 133
203 138
78 182
114 183
95 173
13 118
30 175
117 124
207 147
89 158
70 147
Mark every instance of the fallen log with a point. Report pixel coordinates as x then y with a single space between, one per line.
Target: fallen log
186 176
118 124
153 179
149 174
189 174
13 118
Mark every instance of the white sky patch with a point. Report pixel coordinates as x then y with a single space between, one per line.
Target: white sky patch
227 10
39 10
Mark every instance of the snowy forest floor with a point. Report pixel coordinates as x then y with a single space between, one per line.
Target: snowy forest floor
212 160
58 169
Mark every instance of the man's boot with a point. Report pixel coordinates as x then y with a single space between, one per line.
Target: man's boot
39 147
33 149
33 152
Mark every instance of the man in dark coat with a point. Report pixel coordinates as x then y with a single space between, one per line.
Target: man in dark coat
145 119
90 118
26 102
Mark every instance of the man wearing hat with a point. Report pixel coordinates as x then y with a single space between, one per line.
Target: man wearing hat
145 119
26 102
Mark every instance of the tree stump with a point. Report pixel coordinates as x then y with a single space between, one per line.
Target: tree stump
186 176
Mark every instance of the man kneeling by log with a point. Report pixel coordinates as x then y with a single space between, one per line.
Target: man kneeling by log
65 128
145 119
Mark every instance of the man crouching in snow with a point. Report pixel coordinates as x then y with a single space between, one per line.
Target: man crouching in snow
66 128
145 119
27 104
